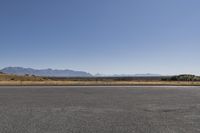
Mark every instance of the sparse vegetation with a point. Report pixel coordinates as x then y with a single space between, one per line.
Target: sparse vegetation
10 77
181 80
184 77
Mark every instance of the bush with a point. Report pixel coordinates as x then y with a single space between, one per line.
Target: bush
1 73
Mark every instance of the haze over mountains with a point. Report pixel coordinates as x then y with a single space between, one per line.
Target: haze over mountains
128 75
45 72
64 73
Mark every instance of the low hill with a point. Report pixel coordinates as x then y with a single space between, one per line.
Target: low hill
45 72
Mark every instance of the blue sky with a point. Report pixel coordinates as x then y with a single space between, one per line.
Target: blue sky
102 36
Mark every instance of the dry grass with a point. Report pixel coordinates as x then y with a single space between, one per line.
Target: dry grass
98 83
10 77
14 80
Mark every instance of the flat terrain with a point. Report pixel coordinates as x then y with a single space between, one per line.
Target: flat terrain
99 109
31 80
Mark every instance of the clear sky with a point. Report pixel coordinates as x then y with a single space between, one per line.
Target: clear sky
102 36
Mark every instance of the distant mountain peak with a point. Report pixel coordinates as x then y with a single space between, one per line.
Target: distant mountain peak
147 74
128 75
45 72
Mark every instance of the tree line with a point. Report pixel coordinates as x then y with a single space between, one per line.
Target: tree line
184 77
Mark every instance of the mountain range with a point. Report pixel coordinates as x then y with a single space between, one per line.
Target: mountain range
129 75
45 72
64 73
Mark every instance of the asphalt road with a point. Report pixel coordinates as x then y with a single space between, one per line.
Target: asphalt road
99 109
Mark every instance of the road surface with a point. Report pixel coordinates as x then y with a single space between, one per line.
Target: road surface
99 109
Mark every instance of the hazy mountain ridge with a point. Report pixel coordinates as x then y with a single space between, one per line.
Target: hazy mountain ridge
128 75
45 72
64 73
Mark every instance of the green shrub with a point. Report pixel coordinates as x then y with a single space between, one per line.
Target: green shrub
184 77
